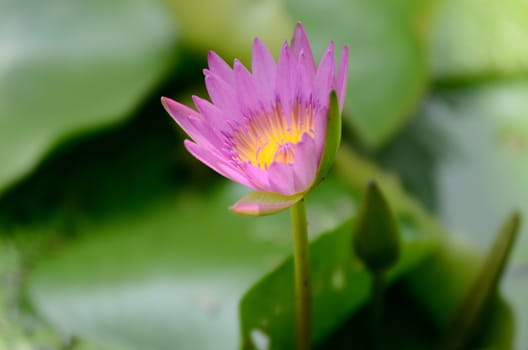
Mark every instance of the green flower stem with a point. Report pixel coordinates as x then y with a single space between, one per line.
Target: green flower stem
376 300
303 285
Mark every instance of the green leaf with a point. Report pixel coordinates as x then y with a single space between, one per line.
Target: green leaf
388 57
477 299
376 237
474 38
474 142
212 25
340 282
166 276
332 139
264 203
142 251
70 67
340 286
163 277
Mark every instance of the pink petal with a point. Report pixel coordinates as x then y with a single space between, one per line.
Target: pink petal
214 161
304 79
223 95
306 163
281 179
320 120
257 176
189 120
342 77
264 203
300 43
212 115
324 78
219 67
285 80
264 70
245 89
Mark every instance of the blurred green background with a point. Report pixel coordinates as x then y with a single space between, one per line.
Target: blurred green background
112 237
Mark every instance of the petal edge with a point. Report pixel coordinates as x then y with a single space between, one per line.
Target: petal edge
264 203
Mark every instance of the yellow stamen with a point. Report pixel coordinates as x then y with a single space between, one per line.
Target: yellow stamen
269 137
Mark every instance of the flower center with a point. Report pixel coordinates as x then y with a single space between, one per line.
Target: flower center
271 136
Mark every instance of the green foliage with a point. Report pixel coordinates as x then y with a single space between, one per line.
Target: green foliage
112 237
70 67
474 38
388 61
477 300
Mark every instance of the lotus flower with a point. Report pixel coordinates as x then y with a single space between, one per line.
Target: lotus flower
275 129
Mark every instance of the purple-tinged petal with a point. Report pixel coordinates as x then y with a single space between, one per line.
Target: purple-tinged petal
264 70
188 119
306 163
256 175
304 79
285 79
264 203
320 121
206 135
342 77
300 43
223 96
324 78
245 89
212 115
219 67
217 163
281 179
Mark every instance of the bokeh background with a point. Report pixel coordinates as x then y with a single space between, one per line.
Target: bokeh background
113 238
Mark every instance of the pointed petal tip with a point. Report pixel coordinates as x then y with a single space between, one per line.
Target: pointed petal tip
299 29
258 44
172 106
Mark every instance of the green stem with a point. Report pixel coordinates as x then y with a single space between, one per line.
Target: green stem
376 300
303 292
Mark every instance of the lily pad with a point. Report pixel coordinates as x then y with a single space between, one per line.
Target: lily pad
388 58
69 67
229 26
474 38
167 276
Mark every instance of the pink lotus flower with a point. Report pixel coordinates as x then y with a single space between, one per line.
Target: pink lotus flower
276 129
